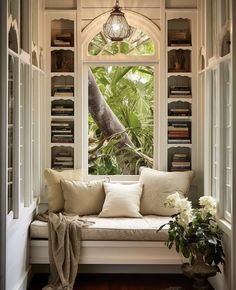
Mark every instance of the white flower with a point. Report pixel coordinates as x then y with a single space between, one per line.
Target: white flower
184 218
183 204
184 207
208 204
172 200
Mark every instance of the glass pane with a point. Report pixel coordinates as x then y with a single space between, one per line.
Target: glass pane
24 24
228 176
23 83
11 129
228 202
120 119
227 138
139 43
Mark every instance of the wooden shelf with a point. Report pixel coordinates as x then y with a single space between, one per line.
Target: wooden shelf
187 47
62 98
180 145
180 118
67 144
62 117
171 100
54 74
187 74
52 48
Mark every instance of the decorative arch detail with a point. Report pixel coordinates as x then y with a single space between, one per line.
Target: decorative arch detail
13 34
134 19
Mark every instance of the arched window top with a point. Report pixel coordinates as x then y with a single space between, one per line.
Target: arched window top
139 43
142 44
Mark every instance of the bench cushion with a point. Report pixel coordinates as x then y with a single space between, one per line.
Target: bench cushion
113 229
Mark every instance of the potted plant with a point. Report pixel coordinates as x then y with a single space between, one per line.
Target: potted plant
196 234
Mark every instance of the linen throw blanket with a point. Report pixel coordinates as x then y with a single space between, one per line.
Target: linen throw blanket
64 248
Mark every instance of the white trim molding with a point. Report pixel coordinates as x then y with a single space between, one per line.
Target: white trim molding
233 236
3 134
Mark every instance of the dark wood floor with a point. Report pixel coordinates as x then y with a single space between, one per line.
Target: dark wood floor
122 282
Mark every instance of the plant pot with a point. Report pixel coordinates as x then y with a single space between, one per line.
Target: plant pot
200 272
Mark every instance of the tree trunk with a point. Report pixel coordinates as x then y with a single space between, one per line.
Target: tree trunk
110 126
102 114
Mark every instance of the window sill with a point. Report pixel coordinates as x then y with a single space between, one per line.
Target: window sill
25 215
225 226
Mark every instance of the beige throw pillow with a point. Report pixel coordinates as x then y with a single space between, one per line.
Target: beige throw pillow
122 200
54 191
157 185
83 198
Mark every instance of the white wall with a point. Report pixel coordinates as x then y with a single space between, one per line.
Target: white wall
17 266
222 281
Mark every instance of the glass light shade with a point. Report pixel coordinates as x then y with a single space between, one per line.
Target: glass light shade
116 28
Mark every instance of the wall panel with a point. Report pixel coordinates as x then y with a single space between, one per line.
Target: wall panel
91 13
181 3
59 4
123 3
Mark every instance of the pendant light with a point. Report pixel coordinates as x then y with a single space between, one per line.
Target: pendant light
117 28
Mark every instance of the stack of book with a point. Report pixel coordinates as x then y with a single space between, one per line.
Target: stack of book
179 112
63 160
180 92
62 132
179 38
63 39
178 133
180 162
63 91
62 109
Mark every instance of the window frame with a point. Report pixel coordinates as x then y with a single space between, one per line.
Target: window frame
217 95
223 122
143 24
84 113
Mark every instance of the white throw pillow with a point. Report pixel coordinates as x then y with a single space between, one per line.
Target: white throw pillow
83 198
54 191
122 200
157 185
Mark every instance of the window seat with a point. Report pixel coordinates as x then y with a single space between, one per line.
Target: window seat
113 241
113 229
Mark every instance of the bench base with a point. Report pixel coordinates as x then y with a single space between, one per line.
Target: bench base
113 253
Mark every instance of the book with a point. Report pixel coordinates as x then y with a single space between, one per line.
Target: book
62 109
184 92
69 158
180 96
180 141
181 125
63 90
59 42
61 131
63 163
63 135
60 124
171 128
63 94
179 110
184 163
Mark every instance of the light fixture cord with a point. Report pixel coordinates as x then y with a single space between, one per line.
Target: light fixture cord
117 3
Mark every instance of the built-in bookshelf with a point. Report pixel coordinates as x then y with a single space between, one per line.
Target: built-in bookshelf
61 88
180 90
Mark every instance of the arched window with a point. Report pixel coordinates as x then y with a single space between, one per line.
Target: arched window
120 89
139 43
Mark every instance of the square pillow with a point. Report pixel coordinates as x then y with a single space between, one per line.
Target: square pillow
83 198
122 200
54 191
157 185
